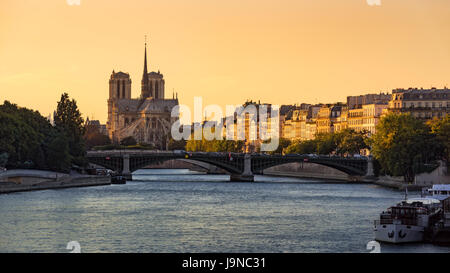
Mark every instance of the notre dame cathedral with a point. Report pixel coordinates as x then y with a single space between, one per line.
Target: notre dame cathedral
148 118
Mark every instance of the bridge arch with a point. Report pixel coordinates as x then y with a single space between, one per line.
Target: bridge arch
137 161
348 166
126 162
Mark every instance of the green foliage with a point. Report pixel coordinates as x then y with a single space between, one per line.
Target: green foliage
28 139
302 147
345 142
349 141
93 137
326 143
403 144
177 144
441 127
58 153
128 141
214 146
109 147
122 147
21 134
96 140
141 146
3 159
68 121
282 146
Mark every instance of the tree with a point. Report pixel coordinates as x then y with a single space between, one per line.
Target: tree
302 147
128 141
96 139
93 137
326 143
22 133
177 144
441 127
58 156
3 159
403 144
214 145
351 142
69 122
283 144
27 137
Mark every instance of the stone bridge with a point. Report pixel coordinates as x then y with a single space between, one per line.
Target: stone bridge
241 167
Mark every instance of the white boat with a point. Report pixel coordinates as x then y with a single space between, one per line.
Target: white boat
440 191
408 221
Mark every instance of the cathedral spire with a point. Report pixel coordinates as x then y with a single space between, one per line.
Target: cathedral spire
145 82
145 60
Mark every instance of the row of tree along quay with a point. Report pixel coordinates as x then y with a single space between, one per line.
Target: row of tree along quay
40 155
30 141
402 146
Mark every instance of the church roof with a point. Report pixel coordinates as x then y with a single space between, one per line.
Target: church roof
146 106
150 105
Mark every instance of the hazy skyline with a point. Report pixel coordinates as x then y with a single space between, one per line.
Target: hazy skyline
282 52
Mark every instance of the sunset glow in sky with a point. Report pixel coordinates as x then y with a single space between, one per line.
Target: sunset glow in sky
282 52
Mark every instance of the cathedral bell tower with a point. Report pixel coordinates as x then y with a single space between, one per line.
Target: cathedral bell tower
119 86
119 89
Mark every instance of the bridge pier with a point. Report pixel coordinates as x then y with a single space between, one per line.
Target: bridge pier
370 172
242 168
241 178
126 168
247 175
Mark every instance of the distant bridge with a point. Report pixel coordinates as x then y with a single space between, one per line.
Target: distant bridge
242 167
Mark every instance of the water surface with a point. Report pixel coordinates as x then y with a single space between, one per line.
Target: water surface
183 211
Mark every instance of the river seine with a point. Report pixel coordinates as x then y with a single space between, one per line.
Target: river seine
180 211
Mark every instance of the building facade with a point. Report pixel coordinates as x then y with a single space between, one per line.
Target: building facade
328 117
300 124
354 102
148 118
421 103
363 113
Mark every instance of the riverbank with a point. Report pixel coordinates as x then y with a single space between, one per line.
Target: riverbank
311 170
33 180
336 177
399 184
388 182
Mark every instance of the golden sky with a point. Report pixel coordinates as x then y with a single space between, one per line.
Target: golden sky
278 51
